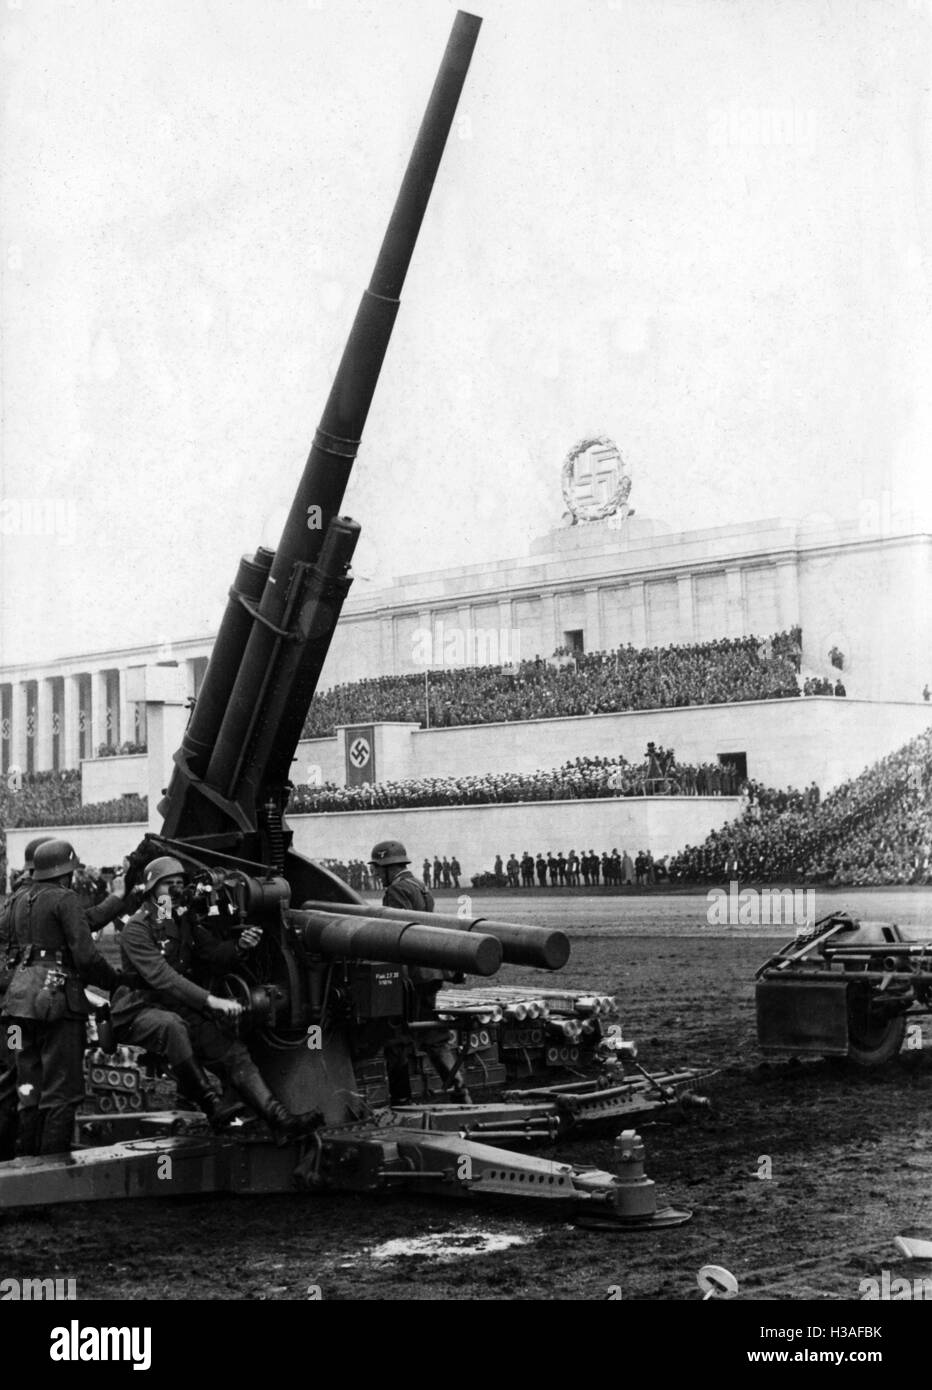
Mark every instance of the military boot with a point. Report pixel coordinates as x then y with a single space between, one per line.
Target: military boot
57 1130
285 1126
197 1085
30 1132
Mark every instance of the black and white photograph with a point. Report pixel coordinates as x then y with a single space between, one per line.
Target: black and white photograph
466 660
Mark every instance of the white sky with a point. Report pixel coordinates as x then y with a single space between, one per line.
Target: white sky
698 226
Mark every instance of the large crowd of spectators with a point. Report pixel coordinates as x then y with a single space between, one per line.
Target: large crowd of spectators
873 829
54 798
658 775
704 673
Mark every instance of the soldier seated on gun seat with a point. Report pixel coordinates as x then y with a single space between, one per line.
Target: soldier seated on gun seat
390 861
160 1007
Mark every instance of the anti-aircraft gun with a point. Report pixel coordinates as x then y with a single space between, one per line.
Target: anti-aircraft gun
329 977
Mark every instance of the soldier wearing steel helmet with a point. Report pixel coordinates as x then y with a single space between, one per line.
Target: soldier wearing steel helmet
390 861
8 1097
53 957
161 1007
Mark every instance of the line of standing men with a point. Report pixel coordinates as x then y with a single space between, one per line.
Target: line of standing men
568 870
446 872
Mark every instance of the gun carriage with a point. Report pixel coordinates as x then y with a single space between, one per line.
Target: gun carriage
328 982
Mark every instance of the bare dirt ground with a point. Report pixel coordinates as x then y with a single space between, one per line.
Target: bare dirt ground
848 1161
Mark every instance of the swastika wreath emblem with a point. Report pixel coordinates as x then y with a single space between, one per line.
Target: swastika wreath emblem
360 752
594 480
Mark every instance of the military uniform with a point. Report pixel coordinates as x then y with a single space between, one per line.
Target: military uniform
8 1093
408 893
52 957
160 1006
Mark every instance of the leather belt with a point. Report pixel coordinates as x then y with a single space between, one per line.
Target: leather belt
41 953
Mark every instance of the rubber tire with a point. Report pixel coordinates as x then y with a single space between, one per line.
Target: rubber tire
880 1046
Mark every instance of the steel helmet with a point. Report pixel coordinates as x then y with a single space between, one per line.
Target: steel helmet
157 869
54 859
389 852
33 845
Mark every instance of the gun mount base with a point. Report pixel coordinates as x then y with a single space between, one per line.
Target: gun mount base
602 1221
380 1156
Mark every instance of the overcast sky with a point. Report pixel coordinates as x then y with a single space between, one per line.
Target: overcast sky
698 226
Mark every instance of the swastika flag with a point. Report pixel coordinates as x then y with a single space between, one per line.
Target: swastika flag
360 755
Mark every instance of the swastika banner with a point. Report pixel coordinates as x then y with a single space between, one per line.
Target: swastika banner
360 755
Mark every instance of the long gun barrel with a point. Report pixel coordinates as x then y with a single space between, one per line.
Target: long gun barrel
240 743
337 936
521 945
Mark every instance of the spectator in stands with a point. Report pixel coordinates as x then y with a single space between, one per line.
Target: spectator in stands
873 829
741 668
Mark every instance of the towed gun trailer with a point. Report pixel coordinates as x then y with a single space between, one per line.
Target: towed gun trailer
844 989
326 987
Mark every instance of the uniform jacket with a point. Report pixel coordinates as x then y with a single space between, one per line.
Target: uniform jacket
44 917
160 958
409 893
95 918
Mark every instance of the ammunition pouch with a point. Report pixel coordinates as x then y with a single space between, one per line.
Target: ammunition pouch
50 1004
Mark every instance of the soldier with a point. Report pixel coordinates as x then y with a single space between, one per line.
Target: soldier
54 957
541 871
426 872
594 867
8 1096
438 870
585 867
161 1007
561 868
512 867
390 861
455 871
527 870
572 869
446 872
552 867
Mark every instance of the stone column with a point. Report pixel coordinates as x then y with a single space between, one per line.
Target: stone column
43 745
18 726
99 732
734 602
69 723
594 639
425 635
687 621
550 637
386 667
124 719
638 614
509 639
787 581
